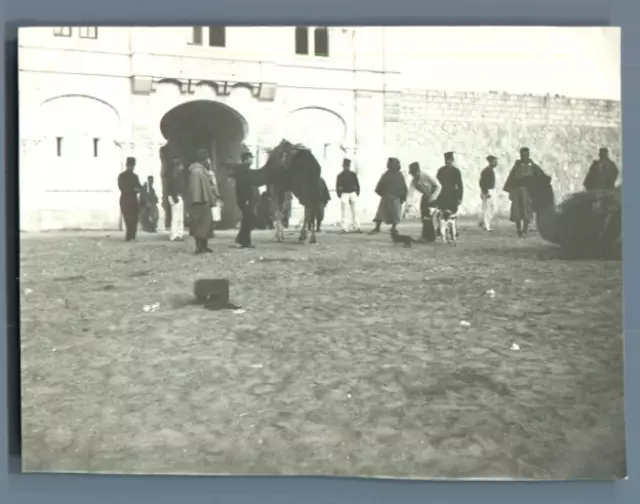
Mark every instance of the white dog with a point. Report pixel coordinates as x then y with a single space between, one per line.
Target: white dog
445 221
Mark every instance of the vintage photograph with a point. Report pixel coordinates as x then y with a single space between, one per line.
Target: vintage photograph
385 252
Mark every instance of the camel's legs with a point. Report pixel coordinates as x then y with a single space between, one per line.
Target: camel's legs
305 224
278 224
312 220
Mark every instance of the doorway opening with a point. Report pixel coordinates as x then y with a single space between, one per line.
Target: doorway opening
205 124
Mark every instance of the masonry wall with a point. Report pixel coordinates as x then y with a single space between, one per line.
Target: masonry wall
564 135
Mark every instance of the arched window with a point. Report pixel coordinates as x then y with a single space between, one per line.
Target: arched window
302 40
321 41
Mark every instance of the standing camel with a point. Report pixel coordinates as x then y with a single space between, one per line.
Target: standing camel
292 168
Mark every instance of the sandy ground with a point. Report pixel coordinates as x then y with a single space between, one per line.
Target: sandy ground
349 359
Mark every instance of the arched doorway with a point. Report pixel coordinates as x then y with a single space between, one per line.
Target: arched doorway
206 124
324 132
75 165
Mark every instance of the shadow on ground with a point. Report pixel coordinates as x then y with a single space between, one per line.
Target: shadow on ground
349 359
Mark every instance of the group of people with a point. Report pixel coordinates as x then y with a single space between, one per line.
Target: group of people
194 192
446 190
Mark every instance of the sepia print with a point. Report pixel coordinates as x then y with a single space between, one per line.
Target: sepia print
387 252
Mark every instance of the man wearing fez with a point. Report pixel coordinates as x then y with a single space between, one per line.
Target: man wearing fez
450 179
129 185
487 192
348 191
602 173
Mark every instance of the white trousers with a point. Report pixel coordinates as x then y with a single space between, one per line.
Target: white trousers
177 219
488 208
349 203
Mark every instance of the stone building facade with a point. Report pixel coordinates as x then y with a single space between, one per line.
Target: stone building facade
89 97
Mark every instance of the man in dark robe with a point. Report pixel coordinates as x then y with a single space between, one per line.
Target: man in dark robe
450 179
392 189
523 180
244 198
325 197
130 187
201 198
487 193
602 173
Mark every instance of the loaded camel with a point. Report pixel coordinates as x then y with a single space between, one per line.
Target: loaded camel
292 168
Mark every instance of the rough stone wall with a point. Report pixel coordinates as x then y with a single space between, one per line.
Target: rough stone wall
564 135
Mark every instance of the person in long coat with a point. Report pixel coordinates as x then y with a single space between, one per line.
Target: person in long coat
130 187
450 179
201 198
392 189
520 184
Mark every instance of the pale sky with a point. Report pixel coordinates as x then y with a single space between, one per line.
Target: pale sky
577 62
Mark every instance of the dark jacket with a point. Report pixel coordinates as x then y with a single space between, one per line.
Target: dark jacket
347 182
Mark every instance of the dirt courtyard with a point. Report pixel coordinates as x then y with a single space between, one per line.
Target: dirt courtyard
353 357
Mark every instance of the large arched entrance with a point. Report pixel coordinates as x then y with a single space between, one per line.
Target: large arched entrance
206 124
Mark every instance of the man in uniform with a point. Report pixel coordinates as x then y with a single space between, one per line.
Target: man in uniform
129 185
450 179
348 191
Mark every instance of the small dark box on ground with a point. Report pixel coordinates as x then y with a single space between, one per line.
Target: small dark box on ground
212 290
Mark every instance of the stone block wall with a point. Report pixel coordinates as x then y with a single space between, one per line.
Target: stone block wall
564 135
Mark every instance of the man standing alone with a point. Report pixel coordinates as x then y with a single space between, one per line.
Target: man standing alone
487 193
201 199
348 190
129 185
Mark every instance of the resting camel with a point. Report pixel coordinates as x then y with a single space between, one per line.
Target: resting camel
586 224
